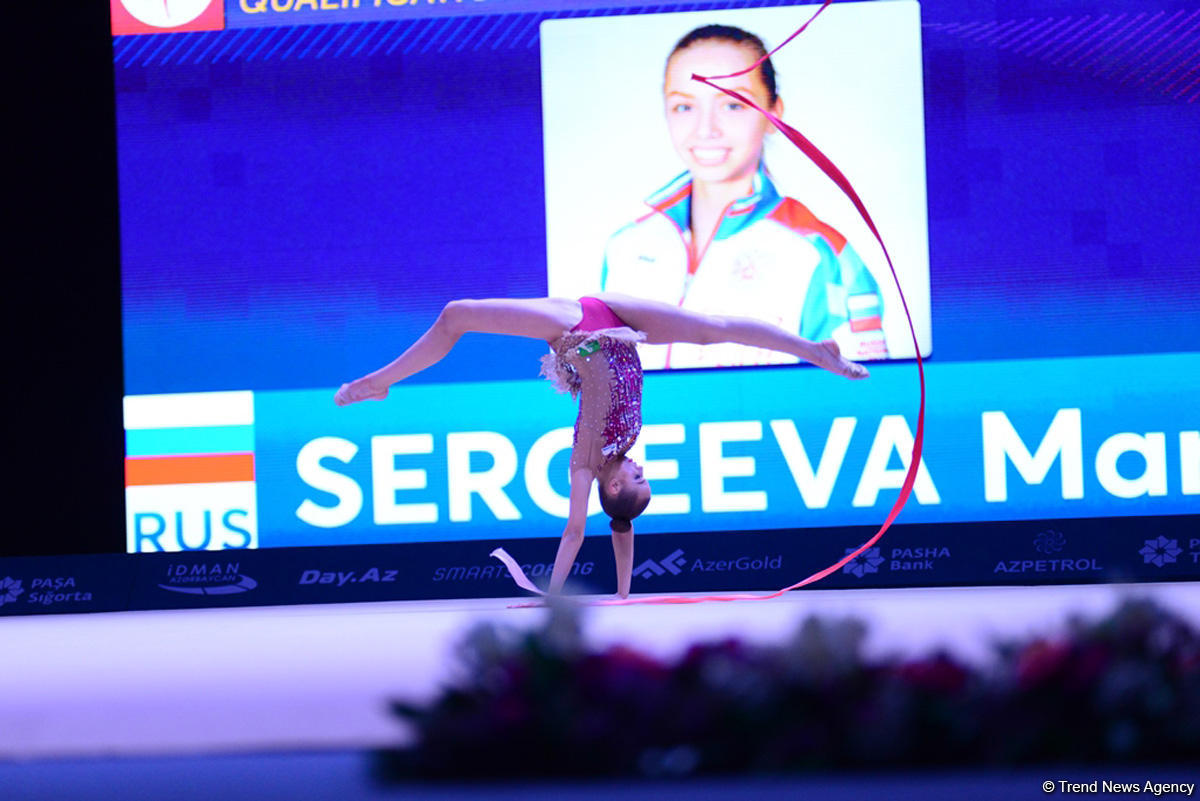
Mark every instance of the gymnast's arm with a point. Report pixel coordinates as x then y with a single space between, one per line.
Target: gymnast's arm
572 536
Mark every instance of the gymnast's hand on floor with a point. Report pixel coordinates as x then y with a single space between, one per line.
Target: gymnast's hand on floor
836 363
360 390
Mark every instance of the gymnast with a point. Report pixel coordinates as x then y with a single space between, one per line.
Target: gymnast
594 357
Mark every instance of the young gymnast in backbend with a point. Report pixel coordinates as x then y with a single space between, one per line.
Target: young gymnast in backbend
594 356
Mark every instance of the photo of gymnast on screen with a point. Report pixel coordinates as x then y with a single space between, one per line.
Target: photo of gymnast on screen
748 249
724 236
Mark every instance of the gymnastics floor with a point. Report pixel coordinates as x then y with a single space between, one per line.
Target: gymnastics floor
319 678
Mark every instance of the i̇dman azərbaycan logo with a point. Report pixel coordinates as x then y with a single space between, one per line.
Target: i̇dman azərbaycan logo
207 578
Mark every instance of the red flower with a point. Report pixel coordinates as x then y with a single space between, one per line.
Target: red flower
1040 660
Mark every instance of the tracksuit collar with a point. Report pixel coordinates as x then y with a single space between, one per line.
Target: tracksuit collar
675 201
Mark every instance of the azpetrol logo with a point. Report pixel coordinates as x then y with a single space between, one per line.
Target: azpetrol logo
10 588
220 578
166 16
189 472
1049 542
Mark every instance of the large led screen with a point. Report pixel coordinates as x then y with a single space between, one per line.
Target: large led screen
304 186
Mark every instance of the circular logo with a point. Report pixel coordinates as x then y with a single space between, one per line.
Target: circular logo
166 13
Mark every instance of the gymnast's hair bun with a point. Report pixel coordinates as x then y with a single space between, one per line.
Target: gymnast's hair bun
620 524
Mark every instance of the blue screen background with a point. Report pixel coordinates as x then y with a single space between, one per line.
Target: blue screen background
294 213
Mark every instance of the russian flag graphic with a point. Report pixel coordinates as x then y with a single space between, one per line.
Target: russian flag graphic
866 312
189 472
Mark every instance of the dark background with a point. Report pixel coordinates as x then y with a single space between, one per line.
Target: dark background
63 387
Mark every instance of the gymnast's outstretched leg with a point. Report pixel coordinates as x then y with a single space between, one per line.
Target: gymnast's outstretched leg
665 324
538 318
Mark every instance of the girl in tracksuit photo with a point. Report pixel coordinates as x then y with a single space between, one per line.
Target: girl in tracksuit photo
720 238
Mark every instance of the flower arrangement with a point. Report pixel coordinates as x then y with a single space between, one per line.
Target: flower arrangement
1125 688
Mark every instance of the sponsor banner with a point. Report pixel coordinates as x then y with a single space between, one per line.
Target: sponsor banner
426 571
751 449
1063 551
1017 552
166 16
65 584
262 13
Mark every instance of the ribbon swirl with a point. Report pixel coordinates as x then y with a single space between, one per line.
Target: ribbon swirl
830 169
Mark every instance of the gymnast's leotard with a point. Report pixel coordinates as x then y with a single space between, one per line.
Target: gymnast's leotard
597 361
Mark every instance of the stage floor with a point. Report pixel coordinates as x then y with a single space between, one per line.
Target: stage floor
347 777
139 684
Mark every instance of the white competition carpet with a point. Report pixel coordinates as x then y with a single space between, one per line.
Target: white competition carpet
319 677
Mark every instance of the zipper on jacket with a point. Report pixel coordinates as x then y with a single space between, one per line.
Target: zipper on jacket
694 260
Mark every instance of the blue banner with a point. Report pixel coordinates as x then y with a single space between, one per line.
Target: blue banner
1082 550
778 448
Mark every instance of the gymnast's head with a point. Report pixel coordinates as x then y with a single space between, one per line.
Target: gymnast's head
718 138
729 36
624 492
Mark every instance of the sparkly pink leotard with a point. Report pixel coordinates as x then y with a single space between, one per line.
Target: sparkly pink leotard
597 361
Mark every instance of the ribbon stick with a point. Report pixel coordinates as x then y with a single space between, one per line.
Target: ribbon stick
515 571
830 169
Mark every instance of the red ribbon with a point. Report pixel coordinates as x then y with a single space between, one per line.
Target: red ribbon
831 170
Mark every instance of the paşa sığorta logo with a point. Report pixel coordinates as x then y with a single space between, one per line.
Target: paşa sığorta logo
10 588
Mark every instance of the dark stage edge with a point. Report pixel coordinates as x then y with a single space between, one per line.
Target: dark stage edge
347 776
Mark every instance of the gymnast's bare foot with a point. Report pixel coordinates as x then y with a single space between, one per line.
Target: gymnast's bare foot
360 390
840 365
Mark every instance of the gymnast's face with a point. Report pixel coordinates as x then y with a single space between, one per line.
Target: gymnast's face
628 473
718 138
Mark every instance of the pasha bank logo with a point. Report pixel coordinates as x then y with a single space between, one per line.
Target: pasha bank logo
866 562
163 16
